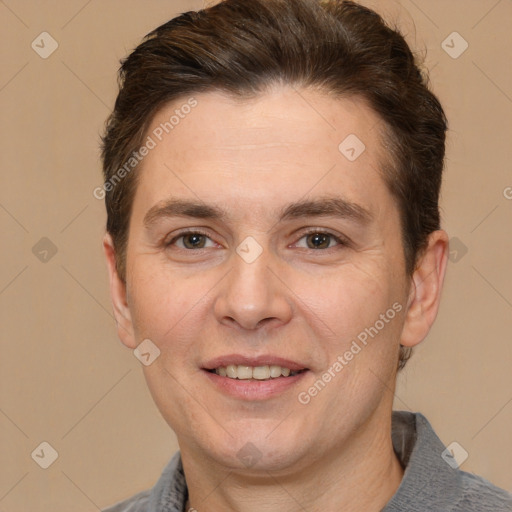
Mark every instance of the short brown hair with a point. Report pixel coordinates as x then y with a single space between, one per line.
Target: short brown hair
242 47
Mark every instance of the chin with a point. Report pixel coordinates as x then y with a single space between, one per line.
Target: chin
252 460
253 450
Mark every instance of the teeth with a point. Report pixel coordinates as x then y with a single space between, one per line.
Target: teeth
243 372
231 371
275 371
261 372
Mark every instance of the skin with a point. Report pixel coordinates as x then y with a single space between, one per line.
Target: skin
252 158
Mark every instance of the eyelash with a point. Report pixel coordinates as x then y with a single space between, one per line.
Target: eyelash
197 231
338 238
341 241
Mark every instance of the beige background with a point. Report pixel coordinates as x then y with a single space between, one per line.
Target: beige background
65 378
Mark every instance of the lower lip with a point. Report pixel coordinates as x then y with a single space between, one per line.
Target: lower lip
254 389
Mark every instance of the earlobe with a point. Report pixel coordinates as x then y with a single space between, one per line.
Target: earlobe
426 287
120 306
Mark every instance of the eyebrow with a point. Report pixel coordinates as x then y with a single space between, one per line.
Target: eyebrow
319 207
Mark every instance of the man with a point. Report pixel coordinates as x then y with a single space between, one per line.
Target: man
272 172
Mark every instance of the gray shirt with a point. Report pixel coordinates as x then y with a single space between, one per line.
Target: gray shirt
429 484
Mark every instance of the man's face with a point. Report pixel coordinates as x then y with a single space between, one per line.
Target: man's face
255 241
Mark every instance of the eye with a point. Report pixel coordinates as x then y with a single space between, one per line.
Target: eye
191 240
320 240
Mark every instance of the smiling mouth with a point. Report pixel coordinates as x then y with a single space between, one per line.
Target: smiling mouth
265 372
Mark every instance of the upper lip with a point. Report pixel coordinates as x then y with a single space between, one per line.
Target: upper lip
263 360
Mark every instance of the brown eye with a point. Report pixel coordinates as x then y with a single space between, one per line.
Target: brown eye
191 240
194 241
318 240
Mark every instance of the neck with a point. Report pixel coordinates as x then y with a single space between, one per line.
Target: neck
361 475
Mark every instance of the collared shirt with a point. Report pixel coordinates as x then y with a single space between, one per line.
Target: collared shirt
431 481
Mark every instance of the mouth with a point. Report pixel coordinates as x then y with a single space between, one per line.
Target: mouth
264 372
254 378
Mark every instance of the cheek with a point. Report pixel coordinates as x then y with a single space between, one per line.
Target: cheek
358 317
161 302
361 309
346 301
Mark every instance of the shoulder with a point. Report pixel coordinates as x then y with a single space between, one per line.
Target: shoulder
432 481
137 503
480 495
470 492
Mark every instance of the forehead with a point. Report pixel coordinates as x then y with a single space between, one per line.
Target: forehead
279 146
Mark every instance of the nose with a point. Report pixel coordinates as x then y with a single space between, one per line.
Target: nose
252 296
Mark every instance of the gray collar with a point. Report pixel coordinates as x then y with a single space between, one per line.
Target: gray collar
419 451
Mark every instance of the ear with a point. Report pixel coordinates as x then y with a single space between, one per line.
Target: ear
122 313
425 293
